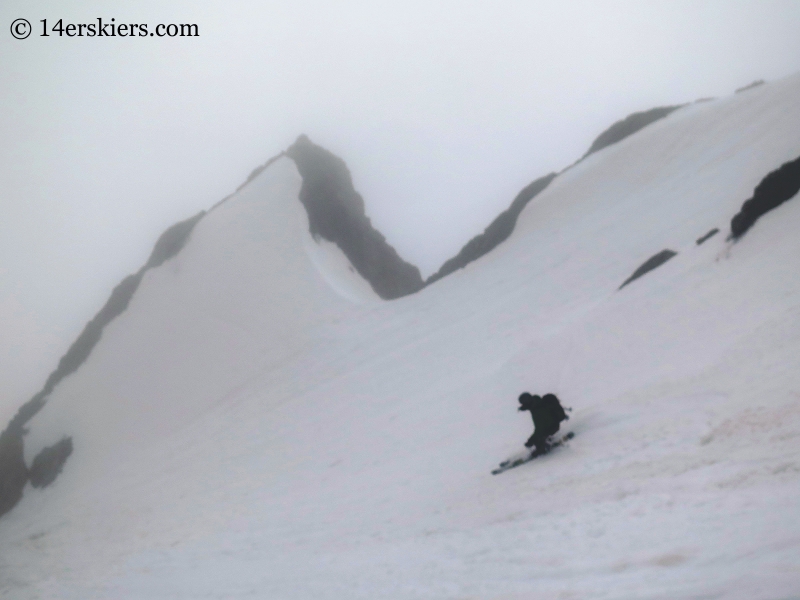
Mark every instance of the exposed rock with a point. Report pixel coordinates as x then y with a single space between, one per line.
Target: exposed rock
750 86
707 236
48 463
13 472
172 241
87 340
501 228
775 189
253 174
260 169
628 126
497 232
650 264
26 412
336 213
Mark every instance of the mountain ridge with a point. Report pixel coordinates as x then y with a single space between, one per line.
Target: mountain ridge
243 429
336 213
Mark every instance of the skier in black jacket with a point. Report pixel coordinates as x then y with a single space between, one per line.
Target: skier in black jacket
547 414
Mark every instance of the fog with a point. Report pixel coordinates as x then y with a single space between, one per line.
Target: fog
443 112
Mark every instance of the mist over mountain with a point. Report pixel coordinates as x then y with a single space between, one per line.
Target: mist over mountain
277 405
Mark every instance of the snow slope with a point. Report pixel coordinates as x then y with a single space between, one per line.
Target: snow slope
256 424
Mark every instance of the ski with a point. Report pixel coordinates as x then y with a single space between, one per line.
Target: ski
509 464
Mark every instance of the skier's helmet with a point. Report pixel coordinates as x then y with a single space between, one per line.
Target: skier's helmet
526 400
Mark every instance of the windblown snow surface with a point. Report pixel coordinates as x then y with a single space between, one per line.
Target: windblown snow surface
258 424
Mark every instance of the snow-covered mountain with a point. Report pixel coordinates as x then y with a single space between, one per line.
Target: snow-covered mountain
258 422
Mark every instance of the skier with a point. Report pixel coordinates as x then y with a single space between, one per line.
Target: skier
547 414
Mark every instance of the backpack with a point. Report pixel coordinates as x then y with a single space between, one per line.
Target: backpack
554 406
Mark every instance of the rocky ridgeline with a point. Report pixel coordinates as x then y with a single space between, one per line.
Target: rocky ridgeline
336 213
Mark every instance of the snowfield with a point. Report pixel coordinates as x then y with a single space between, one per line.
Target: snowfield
258 424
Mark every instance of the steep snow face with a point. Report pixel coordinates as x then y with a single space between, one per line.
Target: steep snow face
243 287
244 430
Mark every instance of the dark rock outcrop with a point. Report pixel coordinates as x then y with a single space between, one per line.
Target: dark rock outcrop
336 213
628 126
13 472
260 169
48 463
707 236
82 347
651 263
750 86
501 228
253 174
167 246
172 241
497 232
775 189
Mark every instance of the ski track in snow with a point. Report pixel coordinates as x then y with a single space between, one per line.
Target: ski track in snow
243 431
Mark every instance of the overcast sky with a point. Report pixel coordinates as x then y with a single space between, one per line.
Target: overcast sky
442 110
